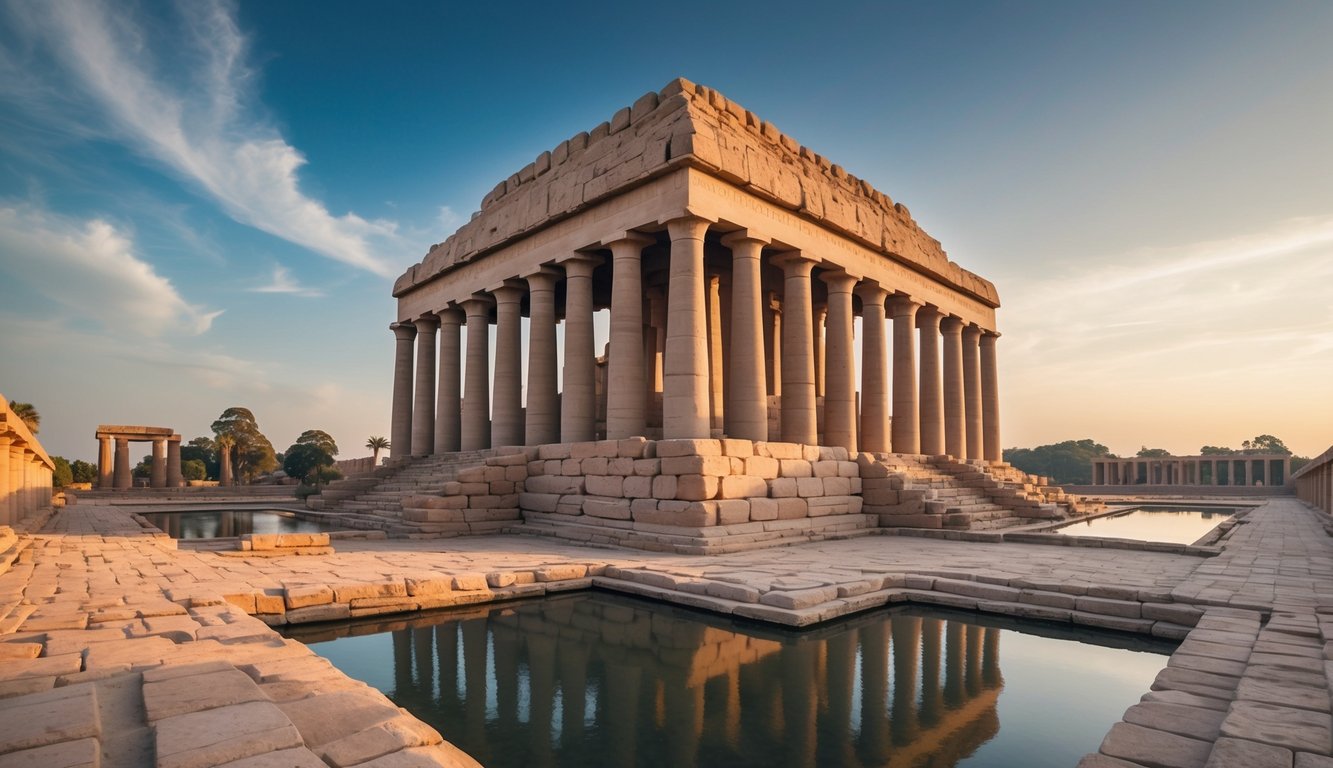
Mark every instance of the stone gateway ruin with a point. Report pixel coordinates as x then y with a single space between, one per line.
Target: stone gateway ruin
732 262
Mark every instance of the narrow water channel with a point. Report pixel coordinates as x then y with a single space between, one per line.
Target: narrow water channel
1170 524
595 679
215 523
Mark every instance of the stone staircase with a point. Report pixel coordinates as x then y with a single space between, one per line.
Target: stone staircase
945 493
375 501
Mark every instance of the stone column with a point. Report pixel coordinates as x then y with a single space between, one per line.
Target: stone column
972 390
174 478
578 404
543 416
747 413
798 363
818 316
224 465
906 413
158 471
423 403
507 418
773 342
990 399
716 373
123 478
685 379
476 423
105 467
874 435
840 363
16 457
7 506
400 426
932 394
625 383
448 398
955 410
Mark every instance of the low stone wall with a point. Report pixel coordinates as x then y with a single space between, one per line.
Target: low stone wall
483 499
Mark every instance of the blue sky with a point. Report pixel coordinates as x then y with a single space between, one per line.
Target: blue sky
203 204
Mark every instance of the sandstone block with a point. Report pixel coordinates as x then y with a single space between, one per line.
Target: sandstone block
218 736
632 448
792 509
584 450
664 487
553 451
326 612
469 581
59 714
696 465
648 467
604 485
795 468
733 512
666 448
742 486
1152 747
809 486
596 465
763 509
616 509
782 450
538 502
329 717
554 484
304 595
637 487
622 466
837 486
783 487
195 693
738 448
762 466
696 487
572 467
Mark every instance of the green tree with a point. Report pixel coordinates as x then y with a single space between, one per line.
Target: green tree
83 471
27 414
144 468
377 444
202 449
1067 462
193 469
253 452
62 475
320 438
1215 450
306 462
1265 444
1152 453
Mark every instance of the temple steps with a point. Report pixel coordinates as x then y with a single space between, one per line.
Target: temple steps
376 502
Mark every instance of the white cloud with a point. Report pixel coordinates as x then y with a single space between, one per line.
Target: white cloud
283 282
91 268
192 116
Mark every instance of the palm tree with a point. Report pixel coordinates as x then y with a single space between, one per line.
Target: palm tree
225 443
377 444
27 414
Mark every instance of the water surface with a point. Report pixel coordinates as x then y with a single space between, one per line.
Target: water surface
593 679
216 523
1174 525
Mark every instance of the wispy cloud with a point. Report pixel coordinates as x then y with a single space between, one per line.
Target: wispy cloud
195 115
283 282
91 268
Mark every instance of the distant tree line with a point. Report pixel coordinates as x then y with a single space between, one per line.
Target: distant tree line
1070 462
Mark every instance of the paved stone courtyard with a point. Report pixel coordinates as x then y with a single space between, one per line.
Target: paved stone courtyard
120 649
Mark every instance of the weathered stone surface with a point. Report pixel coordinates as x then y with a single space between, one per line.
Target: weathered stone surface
1295 729
298 757
322 719
83 753
217 736
1194 722
1151 747
39 719
1238 753
194 693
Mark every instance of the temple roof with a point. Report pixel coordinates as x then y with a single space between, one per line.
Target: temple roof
688 125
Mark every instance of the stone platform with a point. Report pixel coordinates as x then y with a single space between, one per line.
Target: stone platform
136 653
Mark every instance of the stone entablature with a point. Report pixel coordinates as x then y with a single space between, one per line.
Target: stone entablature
725 300
1243 469
1314 481
116 472
688 125
25 470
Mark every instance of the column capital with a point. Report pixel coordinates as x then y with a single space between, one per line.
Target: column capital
798 260
838 281
450 315
745 236
971 333
6 440
477 304
901 305
426 324
989 336
951 325
627 238
404 331
871 292
688 227
510 291
580 264
928 313
174 439
544 278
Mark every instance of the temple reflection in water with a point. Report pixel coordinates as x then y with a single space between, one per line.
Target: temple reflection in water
599 680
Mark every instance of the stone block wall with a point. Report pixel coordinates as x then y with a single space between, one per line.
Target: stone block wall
692 496
481 500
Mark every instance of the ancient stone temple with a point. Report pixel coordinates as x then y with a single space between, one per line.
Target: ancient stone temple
732 262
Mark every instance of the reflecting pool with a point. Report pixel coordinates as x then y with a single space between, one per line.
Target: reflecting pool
216 523
595 679
1174 525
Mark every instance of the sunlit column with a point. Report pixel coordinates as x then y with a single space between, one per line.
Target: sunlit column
123 478
818 318
8 509
448 398
625 383
476 426
955 410
400 425
906 413
972 390
105 466
423 400
157 477
507 399
840 376
716 372
798 367
578 403
747 413
543 414
990 398
174 478
685 397
874 433
932 392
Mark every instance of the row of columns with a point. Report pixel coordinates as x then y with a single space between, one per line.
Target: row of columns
25 479
949 405
1241 470
1314 482
922 684
116 472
